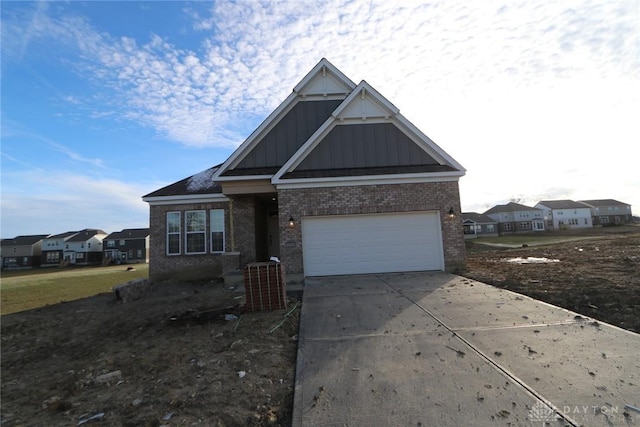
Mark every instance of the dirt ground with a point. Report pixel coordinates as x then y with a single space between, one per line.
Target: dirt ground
129 364
598 276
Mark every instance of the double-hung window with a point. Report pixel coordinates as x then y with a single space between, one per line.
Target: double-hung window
195 223
217 230
173 233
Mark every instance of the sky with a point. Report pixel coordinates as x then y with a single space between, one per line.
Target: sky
104 102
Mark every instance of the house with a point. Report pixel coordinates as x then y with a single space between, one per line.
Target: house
85 247
130 245
334 181
53 248
565 214
73 247
21 251
478 225
608 212
514 218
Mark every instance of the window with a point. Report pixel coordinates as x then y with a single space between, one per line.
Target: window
490 228
604 220
507 226
80 255
53 257
573 221
525 226
25 260
111 243
139 253
217 230
538 226
122 242
195 230
173 233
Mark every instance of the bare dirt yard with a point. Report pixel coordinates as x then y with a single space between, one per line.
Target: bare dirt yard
597 275
100 361
165 359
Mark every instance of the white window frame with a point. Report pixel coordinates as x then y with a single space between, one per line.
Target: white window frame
188 233
216 227
174 233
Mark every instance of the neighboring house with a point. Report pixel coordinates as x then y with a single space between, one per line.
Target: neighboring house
516 218
85 247
21 251
609 212
334 181
565 214
478 225
130 245
53 248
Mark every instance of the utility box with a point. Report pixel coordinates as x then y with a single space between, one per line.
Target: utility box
264 286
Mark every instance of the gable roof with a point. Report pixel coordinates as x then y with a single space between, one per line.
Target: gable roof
603 202
562 204
477 218
324 87
366 135
129 233
86 234
509 207
23 240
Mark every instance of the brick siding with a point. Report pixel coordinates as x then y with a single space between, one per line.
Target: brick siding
350 200
187 267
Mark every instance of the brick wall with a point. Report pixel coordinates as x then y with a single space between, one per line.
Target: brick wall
187 267
439 196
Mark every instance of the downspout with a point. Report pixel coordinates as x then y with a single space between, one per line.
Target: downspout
233 240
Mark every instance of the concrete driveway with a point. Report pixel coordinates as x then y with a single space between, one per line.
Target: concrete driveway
434 349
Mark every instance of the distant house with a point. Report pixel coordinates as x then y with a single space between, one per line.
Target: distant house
130 245
85 247
608 212
516 218
53 248
21 251
565 214
74 247
478 225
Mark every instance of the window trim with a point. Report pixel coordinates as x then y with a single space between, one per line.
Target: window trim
173 233
187 232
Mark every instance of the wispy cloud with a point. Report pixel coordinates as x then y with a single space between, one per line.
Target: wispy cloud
254 52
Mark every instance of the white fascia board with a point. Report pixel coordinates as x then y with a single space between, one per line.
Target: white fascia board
178 200
368 180
368 91
243 178
328 66
249 143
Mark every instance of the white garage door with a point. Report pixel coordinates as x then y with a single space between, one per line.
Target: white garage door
380 243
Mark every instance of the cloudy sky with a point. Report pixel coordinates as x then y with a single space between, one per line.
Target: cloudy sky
103 102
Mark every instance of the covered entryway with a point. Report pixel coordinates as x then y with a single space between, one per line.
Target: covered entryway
376 243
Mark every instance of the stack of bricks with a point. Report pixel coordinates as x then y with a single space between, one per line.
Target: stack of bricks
264 286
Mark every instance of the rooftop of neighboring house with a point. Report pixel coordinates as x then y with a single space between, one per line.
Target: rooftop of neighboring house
509 207
200 183
603 202
24 240
561 204
477 218
129 233
62 235
86 234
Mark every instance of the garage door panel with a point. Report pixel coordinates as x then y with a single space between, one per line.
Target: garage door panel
372 243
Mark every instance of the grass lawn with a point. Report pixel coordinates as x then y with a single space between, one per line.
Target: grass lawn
28 289
550 237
